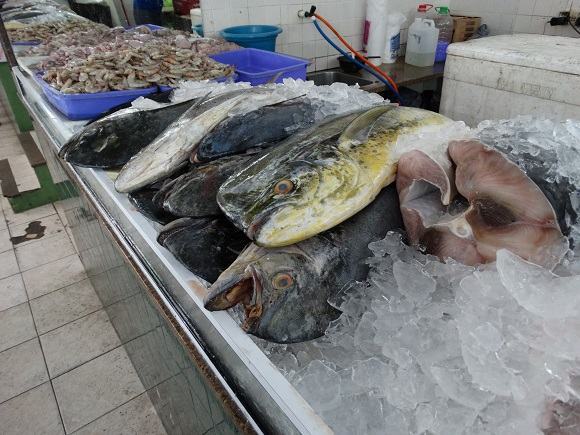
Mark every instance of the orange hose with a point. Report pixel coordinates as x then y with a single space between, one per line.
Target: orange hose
357 54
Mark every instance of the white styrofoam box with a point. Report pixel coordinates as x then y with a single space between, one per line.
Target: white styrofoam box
509 75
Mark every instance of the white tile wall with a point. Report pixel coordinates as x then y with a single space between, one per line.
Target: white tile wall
518 16
299 36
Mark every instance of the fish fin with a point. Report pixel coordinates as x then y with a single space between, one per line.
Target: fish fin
358 130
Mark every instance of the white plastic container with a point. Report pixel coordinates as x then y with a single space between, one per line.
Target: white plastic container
196 17
375 30
444 22
505 76
422 43
393 38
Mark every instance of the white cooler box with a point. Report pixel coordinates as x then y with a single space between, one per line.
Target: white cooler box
504 76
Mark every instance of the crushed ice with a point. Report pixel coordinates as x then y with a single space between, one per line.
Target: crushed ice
441 348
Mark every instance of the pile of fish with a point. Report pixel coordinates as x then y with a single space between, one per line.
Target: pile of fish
467 327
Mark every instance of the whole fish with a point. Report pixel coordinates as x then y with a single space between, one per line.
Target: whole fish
259 128
194 193
284 292
172 148
205 246
111 141
314 181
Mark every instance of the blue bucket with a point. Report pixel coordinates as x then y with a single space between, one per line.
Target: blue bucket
253 36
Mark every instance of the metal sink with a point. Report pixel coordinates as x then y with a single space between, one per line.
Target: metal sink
330 77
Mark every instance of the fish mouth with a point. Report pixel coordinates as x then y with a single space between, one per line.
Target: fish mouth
245 289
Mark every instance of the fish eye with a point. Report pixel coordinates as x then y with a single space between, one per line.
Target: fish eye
282 281
283 187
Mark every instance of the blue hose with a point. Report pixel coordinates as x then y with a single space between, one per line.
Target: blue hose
356 62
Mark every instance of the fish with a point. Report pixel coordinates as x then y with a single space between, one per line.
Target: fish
204 246
320 177
112 140
259 128
283 292
497 207
173 147
194 193
142 200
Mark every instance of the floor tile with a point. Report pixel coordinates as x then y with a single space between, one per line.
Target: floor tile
53 276
40 229
44 251
12 292
21 368
95 388
137 417
32 413
28 215
78 342
8 264
24 174
16 326
63 306
3 224
5 243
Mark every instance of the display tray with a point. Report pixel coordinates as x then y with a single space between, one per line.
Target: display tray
263 389
88 106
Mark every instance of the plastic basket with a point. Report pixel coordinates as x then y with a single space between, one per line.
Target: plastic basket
88 106
253 36
260 66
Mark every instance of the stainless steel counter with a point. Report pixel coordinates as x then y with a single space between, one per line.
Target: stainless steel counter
254 394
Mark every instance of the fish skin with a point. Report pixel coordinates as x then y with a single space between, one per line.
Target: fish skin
142 200
193 194
111 141
263 127
333 178
320 267
205 246
171 149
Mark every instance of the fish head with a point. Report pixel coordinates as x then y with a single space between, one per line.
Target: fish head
282 292
94 139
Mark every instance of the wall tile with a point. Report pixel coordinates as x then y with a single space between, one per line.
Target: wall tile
526 7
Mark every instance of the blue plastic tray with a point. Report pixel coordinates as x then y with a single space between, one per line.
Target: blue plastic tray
260 66
88 106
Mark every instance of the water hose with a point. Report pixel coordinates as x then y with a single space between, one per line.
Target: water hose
354 60
359 56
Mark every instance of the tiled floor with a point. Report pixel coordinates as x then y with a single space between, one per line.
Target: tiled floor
10 149
62 366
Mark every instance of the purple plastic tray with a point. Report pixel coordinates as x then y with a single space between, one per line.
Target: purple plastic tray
88 106
260 66
26 43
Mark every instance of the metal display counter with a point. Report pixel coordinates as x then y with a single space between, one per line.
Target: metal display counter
202 372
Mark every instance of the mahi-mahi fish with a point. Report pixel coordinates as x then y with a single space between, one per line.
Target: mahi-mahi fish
193 194
263 127
283 292
205 246
174 146
319 178
111 141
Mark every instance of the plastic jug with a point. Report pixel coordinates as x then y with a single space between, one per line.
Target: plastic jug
422 43
393 39
425 10
444 22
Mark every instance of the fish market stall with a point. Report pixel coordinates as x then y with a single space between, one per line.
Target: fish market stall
329 262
